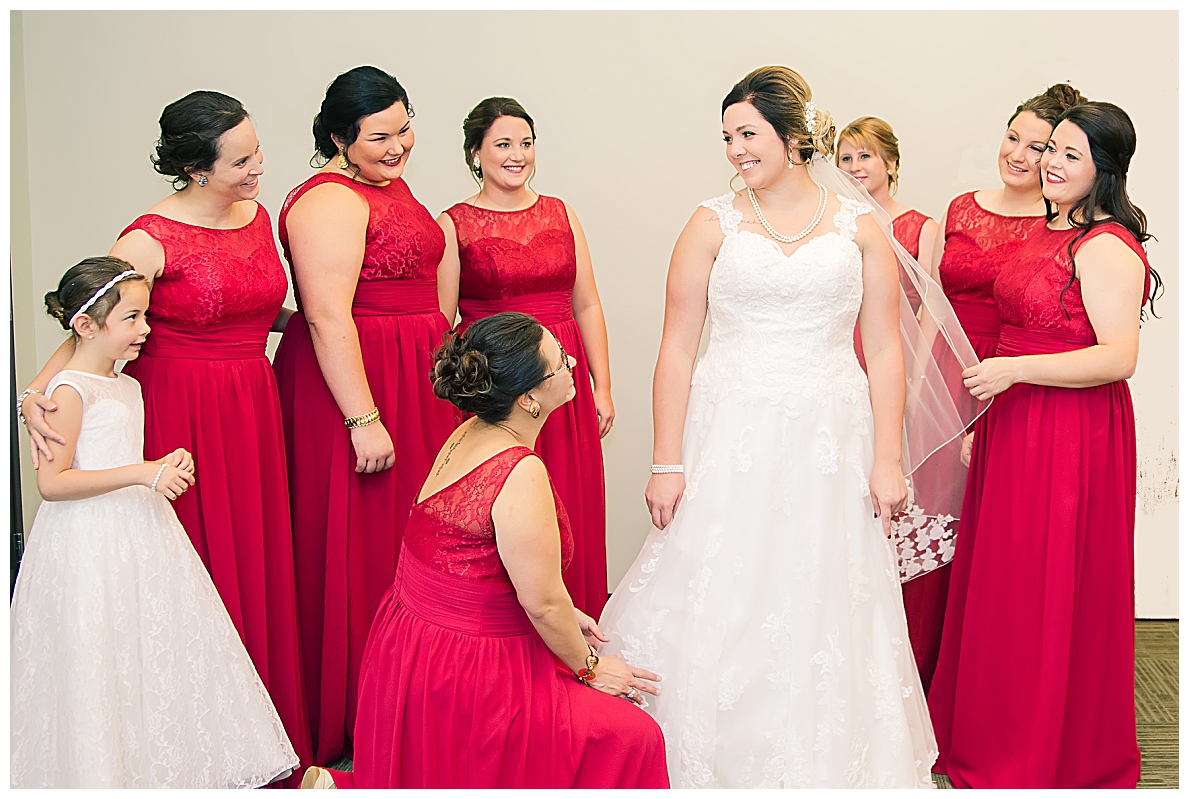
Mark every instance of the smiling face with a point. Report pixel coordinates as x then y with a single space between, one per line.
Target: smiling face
383 146
1067 166
507 155
1019 154
753 146
864 165
239 166
124 330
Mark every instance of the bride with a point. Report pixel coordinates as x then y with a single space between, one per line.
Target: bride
768 596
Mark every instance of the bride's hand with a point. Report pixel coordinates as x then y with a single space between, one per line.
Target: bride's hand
663 494
590 629
889 492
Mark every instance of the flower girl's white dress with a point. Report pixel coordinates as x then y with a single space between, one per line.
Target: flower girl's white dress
126 670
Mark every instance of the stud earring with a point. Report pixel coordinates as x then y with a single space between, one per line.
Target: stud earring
534 410
343 163
475 163
202 181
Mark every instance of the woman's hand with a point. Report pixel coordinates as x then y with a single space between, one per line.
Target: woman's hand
373 448
614 677
590 629
606 411
990 377
180 459
967 448
172 481
34 408
889 492
663 495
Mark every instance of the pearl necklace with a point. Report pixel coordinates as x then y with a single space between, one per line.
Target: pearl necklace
817 217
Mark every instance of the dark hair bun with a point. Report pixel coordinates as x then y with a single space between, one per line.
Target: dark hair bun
353 95
484 370
1050 104
190 131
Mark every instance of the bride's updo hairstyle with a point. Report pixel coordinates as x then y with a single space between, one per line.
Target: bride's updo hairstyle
350 97
80 283
1051 103
190 131
780 95
485 369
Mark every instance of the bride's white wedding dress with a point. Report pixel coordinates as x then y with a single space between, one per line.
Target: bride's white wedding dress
771 604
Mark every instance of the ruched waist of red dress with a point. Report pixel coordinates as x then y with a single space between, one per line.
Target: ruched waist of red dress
474 607
395 297
223 343
547 307
1015 340
977 318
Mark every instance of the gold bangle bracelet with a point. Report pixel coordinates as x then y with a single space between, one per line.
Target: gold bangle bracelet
363 420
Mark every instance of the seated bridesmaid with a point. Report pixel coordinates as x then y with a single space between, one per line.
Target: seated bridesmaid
479 672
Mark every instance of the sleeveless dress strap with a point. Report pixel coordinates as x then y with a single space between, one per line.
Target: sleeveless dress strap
728 217
844 220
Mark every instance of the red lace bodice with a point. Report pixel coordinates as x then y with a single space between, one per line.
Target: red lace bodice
907 230
507 253
402 241
215 277
978 243
452 530
1028 289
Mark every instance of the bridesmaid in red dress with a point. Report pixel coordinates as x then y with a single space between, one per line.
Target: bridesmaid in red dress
511 249
361 421
218 284
476 663
869 151
1035 682
982 231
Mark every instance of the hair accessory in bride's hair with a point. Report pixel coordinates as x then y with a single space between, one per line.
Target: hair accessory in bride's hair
811 117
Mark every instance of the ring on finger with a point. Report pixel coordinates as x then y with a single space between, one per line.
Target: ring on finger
631 695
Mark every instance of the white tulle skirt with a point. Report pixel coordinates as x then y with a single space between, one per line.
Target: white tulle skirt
126 671
771 606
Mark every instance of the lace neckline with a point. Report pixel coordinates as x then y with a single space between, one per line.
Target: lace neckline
252 221
473 471
535 203
980 207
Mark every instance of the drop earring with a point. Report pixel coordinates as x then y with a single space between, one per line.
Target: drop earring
343 163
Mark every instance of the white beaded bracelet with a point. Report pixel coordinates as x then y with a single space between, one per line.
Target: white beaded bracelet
662 468
153 487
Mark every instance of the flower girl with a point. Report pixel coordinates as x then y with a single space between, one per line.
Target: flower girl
126 670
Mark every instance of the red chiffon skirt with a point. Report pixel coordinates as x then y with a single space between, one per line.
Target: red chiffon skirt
924 597
459 691
569 445
212 392
347 527
1034 685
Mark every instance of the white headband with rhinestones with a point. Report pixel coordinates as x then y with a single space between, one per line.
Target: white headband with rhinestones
811 117
95 297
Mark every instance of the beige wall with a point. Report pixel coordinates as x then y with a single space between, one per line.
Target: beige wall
627 110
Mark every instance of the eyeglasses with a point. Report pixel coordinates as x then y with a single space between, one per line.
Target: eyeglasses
565 359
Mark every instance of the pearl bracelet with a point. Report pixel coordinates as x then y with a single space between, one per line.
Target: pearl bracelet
153 487
663 468
21 401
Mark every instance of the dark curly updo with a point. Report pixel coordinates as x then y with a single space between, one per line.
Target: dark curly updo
485 369
80 283
357 93
190 131
1051 103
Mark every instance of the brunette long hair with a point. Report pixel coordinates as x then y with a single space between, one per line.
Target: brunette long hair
1112 143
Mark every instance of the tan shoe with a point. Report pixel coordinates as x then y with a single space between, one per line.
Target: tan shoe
317 778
